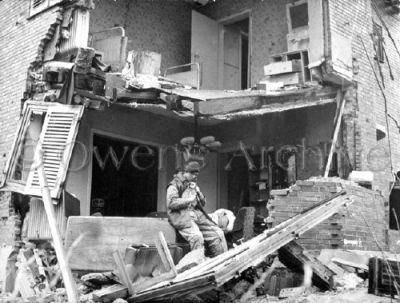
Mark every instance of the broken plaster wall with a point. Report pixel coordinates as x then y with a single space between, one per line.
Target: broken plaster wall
268 24
360 226
154 25
20 39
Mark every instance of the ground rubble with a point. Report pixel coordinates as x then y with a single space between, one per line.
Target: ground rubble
267 282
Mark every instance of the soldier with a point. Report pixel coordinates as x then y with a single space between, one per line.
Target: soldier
185 204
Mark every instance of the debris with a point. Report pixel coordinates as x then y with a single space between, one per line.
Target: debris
142 62
5 251
294 257
191 259
165 254
110 293
123 273
292 292
348 281
217 271
343 258
383 276
104 235
99 279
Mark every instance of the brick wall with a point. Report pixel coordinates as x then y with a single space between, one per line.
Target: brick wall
360 226
20 37
156 25
354 19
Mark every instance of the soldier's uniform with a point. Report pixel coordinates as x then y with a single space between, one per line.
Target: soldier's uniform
189 220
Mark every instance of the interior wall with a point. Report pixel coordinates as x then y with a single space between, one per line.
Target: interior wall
268 25
307 130
131 125
154 25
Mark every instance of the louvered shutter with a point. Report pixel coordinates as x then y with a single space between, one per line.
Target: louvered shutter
57 141
37 6
8 182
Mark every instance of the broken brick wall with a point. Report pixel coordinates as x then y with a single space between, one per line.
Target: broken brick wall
20 37
360 226
354 19
268 25
157 25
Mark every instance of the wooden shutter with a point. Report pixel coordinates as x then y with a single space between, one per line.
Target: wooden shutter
29 107
57 141
36 6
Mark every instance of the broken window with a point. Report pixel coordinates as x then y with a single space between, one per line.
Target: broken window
52 127
37 6
377 38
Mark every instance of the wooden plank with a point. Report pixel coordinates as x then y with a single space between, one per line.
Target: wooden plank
197 284
104 235
336 132
143 285
167 253
162 255
110 293
68 280
123 274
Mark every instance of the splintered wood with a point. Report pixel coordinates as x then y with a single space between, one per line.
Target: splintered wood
217 271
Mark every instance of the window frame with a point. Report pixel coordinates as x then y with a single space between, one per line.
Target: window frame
289 19
378 41
30 186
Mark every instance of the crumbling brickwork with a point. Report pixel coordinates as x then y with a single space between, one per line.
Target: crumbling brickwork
355 19
362 225
157 25
20 37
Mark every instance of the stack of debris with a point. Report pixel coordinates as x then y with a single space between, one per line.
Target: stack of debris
249 272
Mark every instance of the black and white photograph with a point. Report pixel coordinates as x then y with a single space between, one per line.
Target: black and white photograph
200 151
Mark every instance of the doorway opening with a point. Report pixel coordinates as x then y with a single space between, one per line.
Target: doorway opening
236 51
124 178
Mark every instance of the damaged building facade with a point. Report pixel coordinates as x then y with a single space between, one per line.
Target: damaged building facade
288 79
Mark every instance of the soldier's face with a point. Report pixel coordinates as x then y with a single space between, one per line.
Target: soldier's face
191 176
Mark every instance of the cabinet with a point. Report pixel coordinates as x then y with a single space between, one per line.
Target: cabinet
300 56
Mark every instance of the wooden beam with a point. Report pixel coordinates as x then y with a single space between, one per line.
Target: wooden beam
167 253
68 280
226 105
123 274
342 102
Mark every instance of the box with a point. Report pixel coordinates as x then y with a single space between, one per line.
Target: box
287 79
282 67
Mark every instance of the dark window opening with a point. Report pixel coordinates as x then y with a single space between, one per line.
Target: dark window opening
394 208
124 178
299 15
377 37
